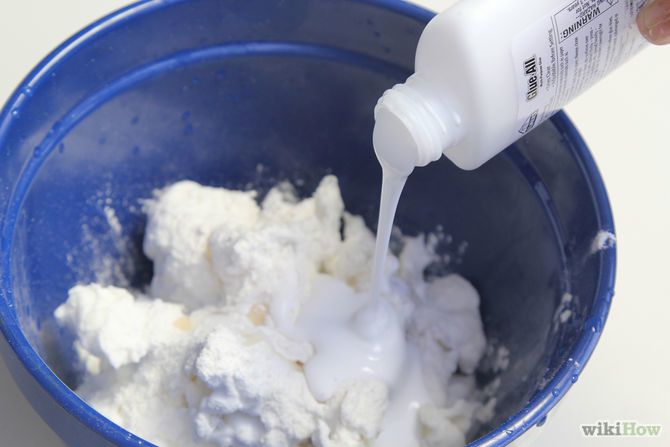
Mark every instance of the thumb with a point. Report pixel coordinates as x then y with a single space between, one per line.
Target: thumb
654 21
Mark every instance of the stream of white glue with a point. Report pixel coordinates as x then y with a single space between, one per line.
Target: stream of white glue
358 335
392 186
372 320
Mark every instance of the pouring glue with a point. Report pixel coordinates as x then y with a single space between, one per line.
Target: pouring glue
488 73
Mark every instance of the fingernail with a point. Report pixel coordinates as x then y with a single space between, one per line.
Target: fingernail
655 13
660 34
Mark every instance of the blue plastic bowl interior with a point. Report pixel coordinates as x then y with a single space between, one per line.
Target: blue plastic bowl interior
239 92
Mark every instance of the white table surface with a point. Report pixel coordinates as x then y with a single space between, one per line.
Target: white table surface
627 377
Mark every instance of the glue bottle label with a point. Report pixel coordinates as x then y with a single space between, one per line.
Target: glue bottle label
567 52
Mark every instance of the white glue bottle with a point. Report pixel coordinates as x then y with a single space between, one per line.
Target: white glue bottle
490 71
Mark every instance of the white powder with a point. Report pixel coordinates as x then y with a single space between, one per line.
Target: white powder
180 223
112 220
603 240
565 311
218 352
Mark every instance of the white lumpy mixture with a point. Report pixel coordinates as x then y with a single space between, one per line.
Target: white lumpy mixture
244 337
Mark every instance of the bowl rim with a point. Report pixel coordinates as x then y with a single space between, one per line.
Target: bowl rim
533 413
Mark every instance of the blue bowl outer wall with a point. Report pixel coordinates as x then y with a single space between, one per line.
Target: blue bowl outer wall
56 403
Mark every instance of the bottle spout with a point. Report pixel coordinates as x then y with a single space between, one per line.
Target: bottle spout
395 146
412 128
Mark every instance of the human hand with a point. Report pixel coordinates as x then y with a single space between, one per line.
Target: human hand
654 21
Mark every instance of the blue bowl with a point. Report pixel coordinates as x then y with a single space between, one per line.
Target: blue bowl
239 92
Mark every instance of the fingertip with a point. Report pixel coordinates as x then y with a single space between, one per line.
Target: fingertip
653 21
660 35
641 25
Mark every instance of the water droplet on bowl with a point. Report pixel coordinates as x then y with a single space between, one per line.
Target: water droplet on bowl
596 324
542 421
16 113
574 378
39 152
556 392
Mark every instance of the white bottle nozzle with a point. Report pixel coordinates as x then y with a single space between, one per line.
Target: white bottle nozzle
412 127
